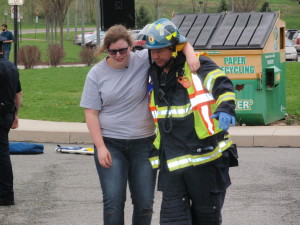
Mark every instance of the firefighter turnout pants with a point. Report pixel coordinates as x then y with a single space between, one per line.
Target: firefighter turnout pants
194 196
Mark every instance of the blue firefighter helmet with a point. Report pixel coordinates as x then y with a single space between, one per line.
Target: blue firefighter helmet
163 33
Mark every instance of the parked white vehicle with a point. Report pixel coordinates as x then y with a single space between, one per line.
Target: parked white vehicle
91 40
296 40
78 38
290 51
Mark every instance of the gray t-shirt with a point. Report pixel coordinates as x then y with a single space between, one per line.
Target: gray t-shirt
121 96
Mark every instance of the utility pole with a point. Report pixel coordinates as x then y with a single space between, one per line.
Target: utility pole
16 35
158 11
232 5
98 21
15 4
75 22
82 28
200 3
68 24
5 15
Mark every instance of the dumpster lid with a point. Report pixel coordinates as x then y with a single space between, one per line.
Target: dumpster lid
226 31
275 68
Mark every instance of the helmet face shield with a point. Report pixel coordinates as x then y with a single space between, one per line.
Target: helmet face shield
163 33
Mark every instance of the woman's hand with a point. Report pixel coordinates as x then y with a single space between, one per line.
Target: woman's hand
193 63
104 157
191 58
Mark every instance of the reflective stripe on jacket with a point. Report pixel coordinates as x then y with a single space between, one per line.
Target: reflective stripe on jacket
194 160
202 105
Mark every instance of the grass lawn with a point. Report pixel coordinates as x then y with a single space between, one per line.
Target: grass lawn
54 94
71 51
292 91
290 11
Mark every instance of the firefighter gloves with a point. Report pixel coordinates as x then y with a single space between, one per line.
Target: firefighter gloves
225 120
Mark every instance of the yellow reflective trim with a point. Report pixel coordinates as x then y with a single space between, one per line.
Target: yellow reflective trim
156 142
152 101
211 77
175 115
188 105
200 99
194 160
179 47
174 34
200 127
154 114
154 162
225 97
227 136
158 26
175 111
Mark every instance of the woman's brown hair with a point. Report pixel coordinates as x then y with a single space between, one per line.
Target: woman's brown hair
114 34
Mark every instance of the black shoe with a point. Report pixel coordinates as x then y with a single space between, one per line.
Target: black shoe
6 202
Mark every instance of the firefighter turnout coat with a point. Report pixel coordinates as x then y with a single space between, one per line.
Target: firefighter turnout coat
182 105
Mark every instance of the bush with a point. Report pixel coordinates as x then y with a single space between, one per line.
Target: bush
29 56
55 54
223 7
87 56
265 7
142 17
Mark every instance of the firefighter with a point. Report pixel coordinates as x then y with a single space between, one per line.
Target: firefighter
192 112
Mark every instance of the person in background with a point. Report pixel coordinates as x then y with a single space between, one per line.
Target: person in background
192 112
9 39
115 102
10 102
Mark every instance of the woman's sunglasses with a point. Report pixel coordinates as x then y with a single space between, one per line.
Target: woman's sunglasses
115 51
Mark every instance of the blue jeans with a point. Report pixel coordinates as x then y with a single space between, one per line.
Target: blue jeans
129 163
6 54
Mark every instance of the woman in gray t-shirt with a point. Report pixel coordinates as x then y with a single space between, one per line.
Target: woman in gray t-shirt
115 102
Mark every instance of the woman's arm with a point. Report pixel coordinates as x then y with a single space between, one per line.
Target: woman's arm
191 59
93 124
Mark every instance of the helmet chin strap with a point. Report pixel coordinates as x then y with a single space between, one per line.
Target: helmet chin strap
171 60
168 64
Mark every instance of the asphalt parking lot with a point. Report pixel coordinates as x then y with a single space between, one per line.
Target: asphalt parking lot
55 188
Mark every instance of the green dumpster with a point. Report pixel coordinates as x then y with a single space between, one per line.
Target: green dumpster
250 49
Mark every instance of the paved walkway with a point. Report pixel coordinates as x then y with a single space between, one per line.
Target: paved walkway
48 66
76 133
63 189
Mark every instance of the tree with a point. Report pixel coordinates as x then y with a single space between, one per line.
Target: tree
157 5
62 10
194 5
223 6
30 9
90 7
55 14
143 17
204 5
246 5
47 7
76 20
265 7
